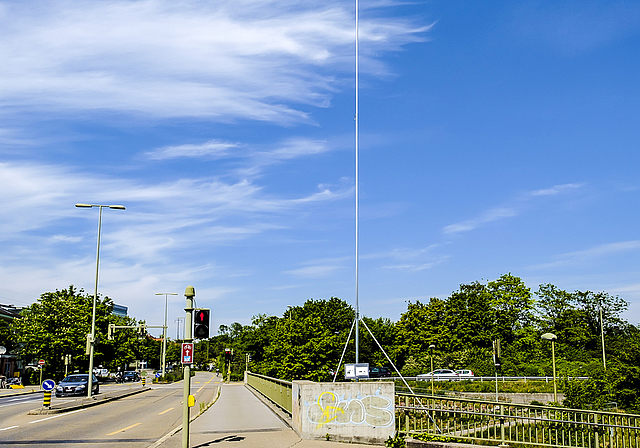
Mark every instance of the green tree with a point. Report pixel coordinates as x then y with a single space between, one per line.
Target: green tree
58 324
419 327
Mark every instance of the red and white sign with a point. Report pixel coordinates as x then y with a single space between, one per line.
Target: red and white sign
187 353
41 362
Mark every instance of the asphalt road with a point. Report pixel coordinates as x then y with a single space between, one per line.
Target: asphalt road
136 421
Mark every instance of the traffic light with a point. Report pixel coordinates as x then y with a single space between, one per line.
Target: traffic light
201 324
228 354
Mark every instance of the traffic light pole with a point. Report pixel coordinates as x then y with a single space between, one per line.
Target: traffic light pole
189 294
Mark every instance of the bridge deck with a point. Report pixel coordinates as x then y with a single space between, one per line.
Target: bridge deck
243 421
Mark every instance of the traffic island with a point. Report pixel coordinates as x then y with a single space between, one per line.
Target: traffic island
73 405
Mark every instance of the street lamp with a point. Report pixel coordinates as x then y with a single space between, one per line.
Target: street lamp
431 347
92 335
164 330
552 337
604 358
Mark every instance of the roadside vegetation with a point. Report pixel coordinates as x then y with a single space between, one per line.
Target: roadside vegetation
306 341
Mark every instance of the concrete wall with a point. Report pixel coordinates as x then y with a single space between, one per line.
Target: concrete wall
360 412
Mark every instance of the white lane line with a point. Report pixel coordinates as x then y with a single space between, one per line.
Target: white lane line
59 415
25 399
10 427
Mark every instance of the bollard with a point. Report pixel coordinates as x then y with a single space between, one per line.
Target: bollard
144 381
47 400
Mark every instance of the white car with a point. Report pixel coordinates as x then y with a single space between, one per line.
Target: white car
465 374
439 375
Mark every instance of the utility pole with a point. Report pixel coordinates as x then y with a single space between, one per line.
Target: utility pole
189 294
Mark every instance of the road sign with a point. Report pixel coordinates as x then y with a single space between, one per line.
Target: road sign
41 362
187 353
158 375
48 385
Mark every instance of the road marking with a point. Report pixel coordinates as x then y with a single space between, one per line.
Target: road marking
164 412
10 427
123 430
59 415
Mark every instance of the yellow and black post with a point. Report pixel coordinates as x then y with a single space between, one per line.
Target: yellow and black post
144 381
47 400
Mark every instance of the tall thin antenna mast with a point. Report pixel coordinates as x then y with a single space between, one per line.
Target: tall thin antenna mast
357 183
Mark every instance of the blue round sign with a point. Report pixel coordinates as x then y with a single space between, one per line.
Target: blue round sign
158 375
48 385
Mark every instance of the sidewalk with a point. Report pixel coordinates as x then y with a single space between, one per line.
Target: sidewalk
238 419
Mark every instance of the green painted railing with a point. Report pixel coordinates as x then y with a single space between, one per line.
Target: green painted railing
278 391
515 424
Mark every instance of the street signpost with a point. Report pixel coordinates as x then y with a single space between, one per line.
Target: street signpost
47 386
187 353
41 364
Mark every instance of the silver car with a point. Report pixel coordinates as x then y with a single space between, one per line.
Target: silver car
439 375
76 384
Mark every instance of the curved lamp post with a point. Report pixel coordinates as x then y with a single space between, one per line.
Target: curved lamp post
164 331
92 335
552 337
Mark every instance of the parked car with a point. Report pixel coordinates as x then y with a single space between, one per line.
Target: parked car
379 372
439 375
465 374
76 384
130 375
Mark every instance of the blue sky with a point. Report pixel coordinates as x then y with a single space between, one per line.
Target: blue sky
495 137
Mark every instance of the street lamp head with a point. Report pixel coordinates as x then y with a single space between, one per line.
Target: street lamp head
549 337
432 346
117 207
190 291
84 205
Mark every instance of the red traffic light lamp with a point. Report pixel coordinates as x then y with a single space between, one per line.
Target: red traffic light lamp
201 324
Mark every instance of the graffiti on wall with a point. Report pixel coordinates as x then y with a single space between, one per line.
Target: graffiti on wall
372 410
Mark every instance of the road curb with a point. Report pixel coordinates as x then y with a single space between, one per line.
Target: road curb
88 402
17 394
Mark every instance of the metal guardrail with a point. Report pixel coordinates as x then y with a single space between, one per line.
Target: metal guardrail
487 379
278 391
515 424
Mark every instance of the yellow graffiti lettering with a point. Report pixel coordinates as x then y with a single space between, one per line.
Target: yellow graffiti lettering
329 411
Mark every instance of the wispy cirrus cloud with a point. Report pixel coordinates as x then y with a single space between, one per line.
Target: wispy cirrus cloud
212 149
510 210
39 196
556 190
592 253
491 215
220 61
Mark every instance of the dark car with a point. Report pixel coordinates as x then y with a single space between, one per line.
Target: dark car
130 375
76 384
379 372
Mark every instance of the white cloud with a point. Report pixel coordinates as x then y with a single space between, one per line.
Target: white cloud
65 239
509 211
220 60
213 149
313 271
556 189
38 196
487 217
586 255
